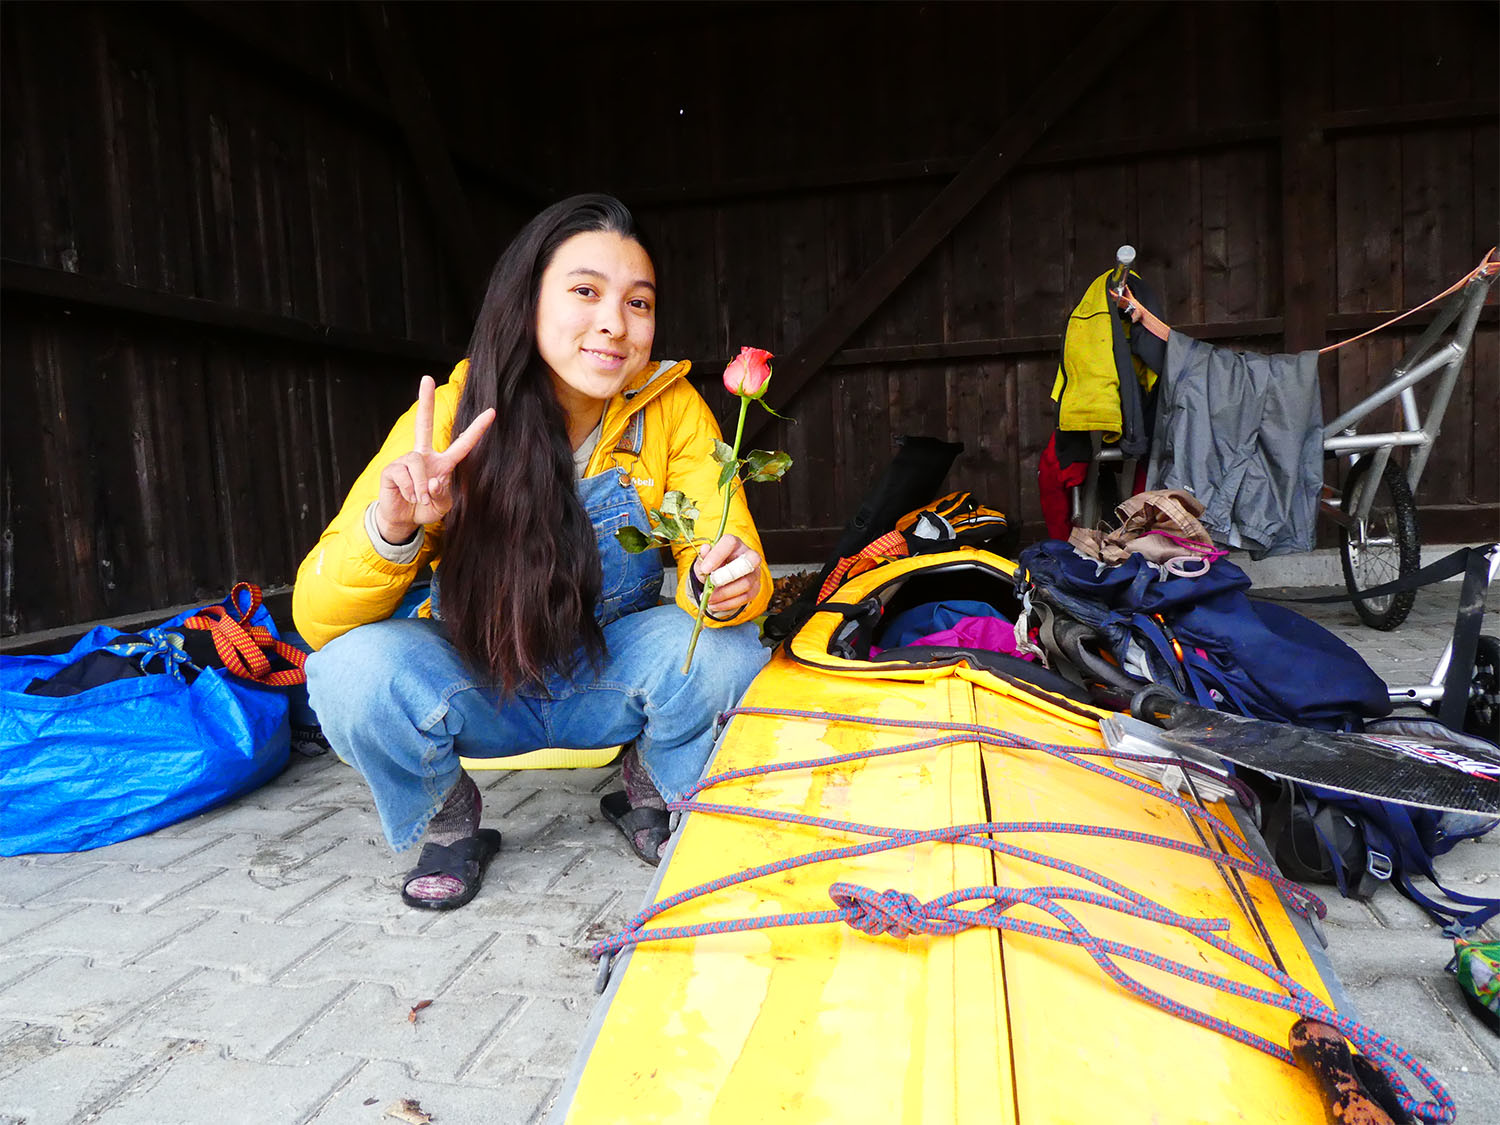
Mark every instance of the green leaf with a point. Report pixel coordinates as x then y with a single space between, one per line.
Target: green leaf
691 511
765 466
726 474
688 525
768 410
723 452
671 528
633 540
671 503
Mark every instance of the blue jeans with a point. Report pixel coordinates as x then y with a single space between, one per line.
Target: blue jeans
397 702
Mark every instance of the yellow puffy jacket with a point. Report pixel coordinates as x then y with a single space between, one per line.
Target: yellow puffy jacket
343 582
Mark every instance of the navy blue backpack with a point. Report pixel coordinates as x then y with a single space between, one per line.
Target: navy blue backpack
1205 637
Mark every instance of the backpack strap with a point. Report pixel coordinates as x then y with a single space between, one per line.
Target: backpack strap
1393 830
891 545
244 647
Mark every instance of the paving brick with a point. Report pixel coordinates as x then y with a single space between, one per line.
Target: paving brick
124 887
1361 957
1397 912
267 823
59 1085
1405 1010
81 1000
365 1097
255 952
539 1041
361 899
152 852
238 892
1474 864
357 820
103 934
302 779
17 920
1348 912
521 964
356 856
195 1086
544 915
372 1022
22 882
416 967
1476 1093
248 1021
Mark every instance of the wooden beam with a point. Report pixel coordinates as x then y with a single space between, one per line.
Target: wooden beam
423 130
1073 78
1307 206
18 278
949 350
714 191
1382 119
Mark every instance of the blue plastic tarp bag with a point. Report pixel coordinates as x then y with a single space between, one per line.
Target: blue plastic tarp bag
127 757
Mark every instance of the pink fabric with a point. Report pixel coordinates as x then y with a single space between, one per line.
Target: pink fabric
989 634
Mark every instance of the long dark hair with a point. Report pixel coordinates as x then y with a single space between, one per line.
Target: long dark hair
520 567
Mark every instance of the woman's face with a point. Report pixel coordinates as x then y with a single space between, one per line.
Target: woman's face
595 318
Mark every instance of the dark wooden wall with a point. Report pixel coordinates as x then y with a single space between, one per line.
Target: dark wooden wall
225 266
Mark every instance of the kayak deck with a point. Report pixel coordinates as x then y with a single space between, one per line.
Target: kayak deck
826 1023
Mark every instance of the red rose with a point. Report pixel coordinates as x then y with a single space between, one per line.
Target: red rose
748 373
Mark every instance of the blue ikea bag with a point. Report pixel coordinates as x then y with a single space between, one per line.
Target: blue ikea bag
131 756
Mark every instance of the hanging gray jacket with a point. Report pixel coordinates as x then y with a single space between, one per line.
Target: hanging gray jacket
1242 432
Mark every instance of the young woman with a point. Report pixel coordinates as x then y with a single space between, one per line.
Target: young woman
540 629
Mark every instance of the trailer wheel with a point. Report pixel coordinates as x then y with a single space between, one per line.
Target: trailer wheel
1482 716
1383 547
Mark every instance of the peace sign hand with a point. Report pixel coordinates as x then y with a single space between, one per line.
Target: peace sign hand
416 488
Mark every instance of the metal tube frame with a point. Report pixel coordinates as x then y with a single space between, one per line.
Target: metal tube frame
1423 359
1432 691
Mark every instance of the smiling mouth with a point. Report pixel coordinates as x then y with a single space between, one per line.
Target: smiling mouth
604 355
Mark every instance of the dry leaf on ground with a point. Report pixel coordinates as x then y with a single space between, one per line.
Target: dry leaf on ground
411 1016
408 1110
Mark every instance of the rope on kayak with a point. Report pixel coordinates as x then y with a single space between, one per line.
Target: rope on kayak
902 915
1074 755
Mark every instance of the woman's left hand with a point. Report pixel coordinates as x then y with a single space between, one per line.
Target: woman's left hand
736 573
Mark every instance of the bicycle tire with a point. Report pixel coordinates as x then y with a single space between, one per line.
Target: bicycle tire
1385 546
1482 716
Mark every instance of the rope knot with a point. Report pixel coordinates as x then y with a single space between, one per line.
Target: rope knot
157 644
880 912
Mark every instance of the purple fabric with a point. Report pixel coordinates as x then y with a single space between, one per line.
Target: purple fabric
989 634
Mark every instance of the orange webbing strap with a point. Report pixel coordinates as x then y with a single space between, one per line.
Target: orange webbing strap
243 647
1487 268
891 545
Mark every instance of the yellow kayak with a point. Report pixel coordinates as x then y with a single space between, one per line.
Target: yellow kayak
1008 1022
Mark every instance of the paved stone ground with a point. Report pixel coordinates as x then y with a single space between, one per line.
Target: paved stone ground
255 965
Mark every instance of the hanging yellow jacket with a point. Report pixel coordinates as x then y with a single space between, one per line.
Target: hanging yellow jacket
343 582
1089 391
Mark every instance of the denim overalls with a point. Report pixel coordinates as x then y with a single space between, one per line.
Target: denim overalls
398 703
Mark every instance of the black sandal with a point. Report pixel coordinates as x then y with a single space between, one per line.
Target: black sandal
464 860
653 826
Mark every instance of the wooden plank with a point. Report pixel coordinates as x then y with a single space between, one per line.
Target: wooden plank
423 130
1171 233
1439 247
1079 71
228 33
70 288
1306 187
